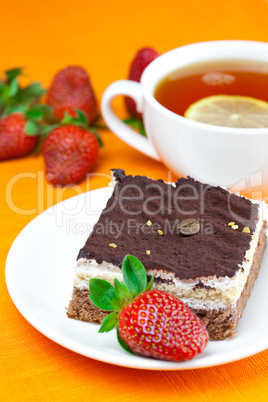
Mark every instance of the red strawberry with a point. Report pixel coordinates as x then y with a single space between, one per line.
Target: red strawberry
144 57
160 325
14 141
70 153
154 323
70 90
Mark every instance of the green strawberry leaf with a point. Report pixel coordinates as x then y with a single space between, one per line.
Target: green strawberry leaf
122 343
109 322
97 135
150 284
81 121
37 112
134 275
136 124
47 128
31 94
105 296
11 94
13 88
132 122
13 109
68 119
34 90
122 293
37 150
34 114
2 85
102 295
13 73
32 128
82 117
5 93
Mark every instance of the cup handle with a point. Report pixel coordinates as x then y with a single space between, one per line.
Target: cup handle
124 132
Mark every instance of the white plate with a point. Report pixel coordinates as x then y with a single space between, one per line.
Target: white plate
39 273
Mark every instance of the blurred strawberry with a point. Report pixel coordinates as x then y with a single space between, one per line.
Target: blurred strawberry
70 90
20 112
14 141
144 57
70 150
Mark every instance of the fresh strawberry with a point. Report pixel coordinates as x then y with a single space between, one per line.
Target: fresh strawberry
144 57
149 322
14 141
70 90
70 151
20 112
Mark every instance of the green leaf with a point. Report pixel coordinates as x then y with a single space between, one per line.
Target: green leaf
38 148
34 114
150 284
34 90
136 124
13 73
13 109
13 88
30 94
102 295
109 322
130 121
82 117
122 293
37 112
5 93
81 121
46 110
67 119
134 275
32 128
142 129
2 85
97 135
122 343
46 129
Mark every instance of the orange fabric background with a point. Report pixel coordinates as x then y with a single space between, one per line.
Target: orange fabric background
103 36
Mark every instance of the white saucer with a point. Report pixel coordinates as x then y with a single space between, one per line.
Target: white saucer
39 274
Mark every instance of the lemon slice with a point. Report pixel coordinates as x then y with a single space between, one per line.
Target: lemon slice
230 111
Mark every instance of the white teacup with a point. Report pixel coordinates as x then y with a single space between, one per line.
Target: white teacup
212 154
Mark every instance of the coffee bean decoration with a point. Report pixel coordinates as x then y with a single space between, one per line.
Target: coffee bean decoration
189 227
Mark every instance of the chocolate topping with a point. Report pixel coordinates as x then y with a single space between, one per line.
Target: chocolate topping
216 250
118 174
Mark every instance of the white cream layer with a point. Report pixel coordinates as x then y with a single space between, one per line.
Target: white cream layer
225 291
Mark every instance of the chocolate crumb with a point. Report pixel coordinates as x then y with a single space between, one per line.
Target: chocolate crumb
201 285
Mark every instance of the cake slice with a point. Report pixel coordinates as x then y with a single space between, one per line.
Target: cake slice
212 269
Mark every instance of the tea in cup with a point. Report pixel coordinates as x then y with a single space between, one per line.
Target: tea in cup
177 81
